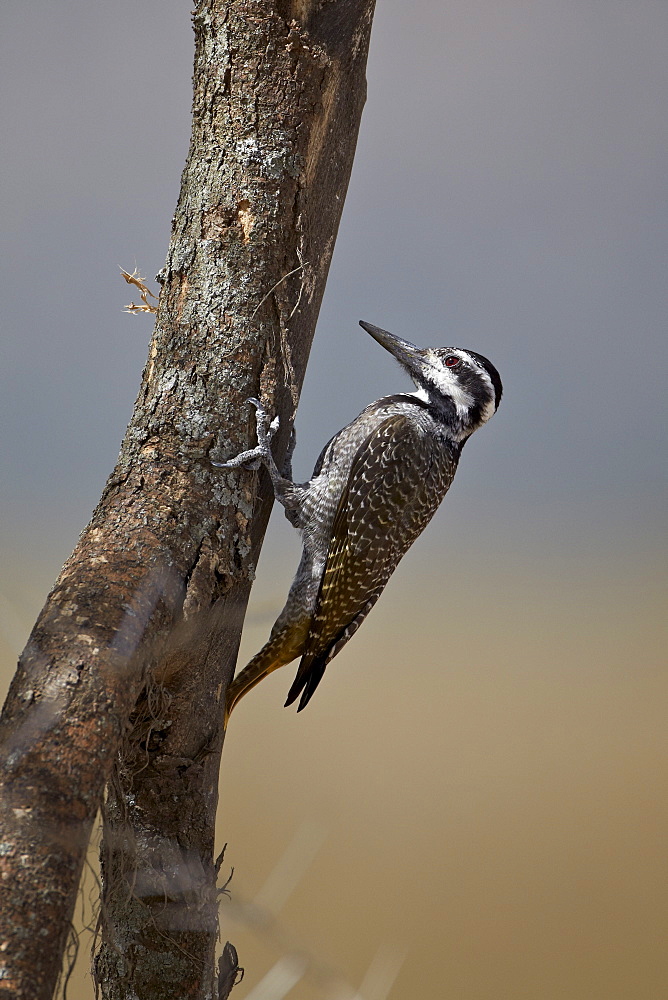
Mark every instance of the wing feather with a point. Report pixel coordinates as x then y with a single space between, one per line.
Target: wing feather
397 481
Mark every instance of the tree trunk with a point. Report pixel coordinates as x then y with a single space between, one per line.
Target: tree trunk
124 674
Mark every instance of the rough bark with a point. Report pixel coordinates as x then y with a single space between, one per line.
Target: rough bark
125 671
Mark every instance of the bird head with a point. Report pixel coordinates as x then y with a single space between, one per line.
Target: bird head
461 386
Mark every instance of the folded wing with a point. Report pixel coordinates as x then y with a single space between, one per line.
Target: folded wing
397 481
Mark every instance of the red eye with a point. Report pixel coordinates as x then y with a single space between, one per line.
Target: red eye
451 361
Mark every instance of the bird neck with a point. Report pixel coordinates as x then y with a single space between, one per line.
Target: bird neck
452 423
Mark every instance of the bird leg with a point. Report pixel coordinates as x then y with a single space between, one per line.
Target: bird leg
287 463
284 488
261 454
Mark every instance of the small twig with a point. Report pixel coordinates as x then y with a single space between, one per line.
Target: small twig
301 287
219 860
224 890
136 279
71 953
285 345
280 281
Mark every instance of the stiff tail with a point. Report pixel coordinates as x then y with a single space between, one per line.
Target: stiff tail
308 677
312 668
279 650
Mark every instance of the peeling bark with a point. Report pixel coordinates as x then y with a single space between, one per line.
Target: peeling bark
124 674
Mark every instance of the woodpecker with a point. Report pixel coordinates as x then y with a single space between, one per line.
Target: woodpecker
374 488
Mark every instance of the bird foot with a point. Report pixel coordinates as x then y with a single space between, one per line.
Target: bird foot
286 471
265 429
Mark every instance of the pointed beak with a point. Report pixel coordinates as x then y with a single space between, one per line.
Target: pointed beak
407 354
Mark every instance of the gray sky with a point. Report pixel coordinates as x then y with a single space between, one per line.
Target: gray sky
508 195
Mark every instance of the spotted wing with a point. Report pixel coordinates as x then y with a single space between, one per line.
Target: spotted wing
397 479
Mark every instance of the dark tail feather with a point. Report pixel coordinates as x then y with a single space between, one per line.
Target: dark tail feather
307 679
310 670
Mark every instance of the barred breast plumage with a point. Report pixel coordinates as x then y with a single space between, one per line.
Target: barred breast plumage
374 488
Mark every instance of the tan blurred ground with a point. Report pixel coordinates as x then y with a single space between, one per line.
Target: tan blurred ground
480 787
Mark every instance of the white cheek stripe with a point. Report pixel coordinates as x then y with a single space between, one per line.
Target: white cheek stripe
450 387
447 382
462 399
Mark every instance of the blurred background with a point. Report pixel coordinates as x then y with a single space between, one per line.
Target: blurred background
474 806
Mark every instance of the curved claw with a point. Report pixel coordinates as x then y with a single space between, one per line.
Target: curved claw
265 426
252 458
